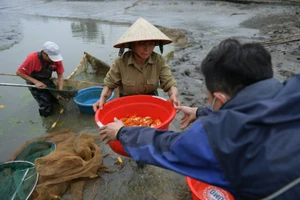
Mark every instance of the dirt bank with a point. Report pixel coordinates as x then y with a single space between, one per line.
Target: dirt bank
278 30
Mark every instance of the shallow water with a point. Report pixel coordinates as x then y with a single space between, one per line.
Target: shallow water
74 36
19 117
20 121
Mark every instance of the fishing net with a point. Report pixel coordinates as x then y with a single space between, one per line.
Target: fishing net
90 69
77 84
35 150
17 180
19 176
76 158
90 72
66 94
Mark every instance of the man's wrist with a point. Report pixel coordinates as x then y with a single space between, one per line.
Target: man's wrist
119 132
198 112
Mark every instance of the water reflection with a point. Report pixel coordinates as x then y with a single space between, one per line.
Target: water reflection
19 118
88 30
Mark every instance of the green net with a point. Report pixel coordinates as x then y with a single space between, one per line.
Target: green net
36 150
17 179
63 161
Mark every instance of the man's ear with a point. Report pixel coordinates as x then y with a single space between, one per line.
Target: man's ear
221 97
43 54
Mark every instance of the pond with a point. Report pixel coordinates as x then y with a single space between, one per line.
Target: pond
20 114
19 117
20 120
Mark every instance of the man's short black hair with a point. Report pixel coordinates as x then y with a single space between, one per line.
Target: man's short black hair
231 66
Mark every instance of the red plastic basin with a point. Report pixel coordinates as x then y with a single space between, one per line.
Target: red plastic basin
204 191
139 105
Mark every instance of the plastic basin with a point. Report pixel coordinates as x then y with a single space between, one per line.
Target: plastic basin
203 191
139 105
86 97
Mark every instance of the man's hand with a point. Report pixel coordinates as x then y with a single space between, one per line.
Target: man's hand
40 84
59 97
188 117
109 131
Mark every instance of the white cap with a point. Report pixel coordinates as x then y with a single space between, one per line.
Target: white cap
52 50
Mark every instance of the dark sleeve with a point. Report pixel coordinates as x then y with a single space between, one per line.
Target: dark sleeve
188 153
203 111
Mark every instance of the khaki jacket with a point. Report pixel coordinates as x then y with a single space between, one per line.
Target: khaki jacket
132 79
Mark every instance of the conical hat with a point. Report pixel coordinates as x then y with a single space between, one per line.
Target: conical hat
141 30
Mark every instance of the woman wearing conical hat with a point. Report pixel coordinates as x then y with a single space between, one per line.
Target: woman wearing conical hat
140 70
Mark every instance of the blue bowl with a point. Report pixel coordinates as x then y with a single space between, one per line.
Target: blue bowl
86 97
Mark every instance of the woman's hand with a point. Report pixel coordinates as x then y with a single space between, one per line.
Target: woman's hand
109 131
173 92
188 117
99 104
105 94
174 101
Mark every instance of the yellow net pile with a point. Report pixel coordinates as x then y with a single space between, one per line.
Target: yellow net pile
65 169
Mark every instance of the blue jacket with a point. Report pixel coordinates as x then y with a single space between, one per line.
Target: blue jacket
250 147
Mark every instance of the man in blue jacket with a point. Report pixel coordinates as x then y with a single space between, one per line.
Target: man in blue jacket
247 142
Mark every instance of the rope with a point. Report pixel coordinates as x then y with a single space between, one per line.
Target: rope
283 189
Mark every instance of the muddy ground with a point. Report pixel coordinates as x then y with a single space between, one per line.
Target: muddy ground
279 32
